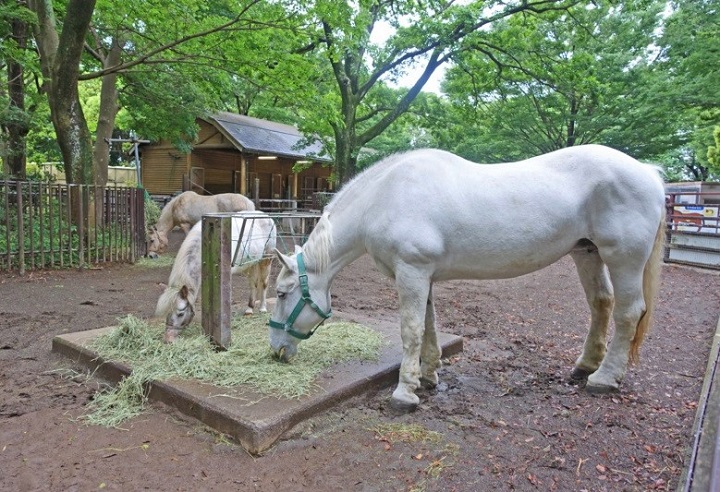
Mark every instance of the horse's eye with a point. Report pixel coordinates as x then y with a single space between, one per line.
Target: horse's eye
281 295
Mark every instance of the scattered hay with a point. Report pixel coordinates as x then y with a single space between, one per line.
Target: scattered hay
247 362
407 433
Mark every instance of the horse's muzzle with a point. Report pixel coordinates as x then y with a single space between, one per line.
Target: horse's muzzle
153 255
284 353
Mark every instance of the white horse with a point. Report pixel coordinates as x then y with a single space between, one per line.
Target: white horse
186 209
428 215
258 241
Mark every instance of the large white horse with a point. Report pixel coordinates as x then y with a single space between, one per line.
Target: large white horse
186 209
428 215
254 258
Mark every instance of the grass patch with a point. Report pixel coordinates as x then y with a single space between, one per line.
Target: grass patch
248 361
161 261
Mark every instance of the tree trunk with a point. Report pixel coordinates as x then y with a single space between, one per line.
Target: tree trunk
60 63
18 126
108 112
344 163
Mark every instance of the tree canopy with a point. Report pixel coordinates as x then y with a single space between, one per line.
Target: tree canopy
522 78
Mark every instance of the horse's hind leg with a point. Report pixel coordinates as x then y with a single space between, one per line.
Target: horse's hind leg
599 293
252 274
259 278
431 351
413 289
627 282
262 280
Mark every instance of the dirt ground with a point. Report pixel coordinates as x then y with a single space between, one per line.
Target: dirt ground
504 417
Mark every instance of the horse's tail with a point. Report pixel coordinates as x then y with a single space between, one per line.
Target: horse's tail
651 283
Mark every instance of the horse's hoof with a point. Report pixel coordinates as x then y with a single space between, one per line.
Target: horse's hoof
404 401
580 374
248 312
601 389
402 407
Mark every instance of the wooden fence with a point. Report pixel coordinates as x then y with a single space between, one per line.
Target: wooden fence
693 229
60 226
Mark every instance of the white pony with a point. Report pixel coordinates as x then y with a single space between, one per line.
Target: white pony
258 241
428 215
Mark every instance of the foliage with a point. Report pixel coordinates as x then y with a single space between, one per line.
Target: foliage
152 212
51 240
713 153
534 84
525 77
682 86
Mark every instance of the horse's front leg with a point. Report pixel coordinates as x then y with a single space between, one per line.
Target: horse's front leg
431 351
413 290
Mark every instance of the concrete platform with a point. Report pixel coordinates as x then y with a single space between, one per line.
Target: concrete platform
702 472
257 421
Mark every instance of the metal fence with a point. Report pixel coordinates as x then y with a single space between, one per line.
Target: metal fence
59 226
693 229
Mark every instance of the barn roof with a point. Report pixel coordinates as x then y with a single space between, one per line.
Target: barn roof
266 137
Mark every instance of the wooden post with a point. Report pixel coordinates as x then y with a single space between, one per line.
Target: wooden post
216 281
243 175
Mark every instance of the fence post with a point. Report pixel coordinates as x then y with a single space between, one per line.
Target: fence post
216 280
21 229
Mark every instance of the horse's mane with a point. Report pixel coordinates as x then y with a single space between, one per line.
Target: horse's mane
317 247
184 272
363 181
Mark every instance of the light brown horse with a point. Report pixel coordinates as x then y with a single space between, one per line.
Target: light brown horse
186 209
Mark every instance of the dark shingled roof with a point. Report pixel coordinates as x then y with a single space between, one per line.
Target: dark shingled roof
266 137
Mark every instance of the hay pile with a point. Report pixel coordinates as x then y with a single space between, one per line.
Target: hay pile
248 361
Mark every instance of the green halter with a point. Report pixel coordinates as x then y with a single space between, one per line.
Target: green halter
302 302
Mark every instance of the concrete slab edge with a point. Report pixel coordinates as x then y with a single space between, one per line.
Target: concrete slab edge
702 473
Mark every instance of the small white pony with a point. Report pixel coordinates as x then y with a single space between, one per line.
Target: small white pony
427 216
258 241
186 209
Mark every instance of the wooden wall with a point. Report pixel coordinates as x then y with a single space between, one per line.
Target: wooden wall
163 169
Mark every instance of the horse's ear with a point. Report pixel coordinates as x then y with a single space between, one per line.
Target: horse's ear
284 260
184 292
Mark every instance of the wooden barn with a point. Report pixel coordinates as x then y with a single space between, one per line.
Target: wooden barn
241 154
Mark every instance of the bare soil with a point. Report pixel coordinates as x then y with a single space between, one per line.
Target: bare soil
505 416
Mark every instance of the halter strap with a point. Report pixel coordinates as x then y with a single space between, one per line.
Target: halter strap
304 300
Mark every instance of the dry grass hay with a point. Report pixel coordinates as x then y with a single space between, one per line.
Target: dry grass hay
248 361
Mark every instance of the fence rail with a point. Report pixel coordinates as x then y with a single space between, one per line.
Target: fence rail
693 229
58 225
